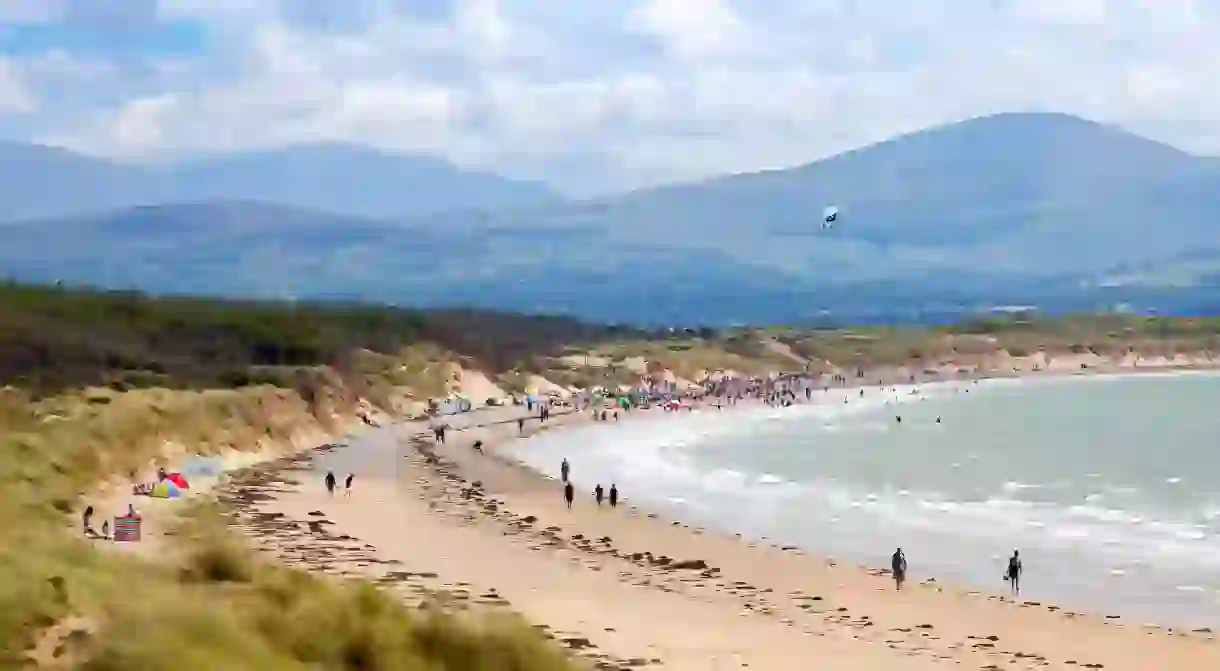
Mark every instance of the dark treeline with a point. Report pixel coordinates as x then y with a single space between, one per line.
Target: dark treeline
53 338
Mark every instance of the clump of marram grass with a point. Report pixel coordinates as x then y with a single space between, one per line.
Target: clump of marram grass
207 603
223 609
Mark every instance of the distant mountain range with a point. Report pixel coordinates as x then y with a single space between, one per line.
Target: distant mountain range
44 182
1046 209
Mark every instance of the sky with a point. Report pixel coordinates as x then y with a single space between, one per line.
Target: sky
592 96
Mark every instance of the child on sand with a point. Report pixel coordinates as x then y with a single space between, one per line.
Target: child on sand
347 484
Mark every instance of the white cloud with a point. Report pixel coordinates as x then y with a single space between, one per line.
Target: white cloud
628 93
15 96
694 31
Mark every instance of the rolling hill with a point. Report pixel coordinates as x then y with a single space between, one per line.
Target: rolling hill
1017 194
46 182
1010 208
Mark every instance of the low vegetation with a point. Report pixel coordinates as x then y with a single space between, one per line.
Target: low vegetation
54 338
1106 335
209 604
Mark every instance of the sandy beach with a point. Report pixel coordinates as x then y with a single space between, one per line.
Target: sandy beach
625 588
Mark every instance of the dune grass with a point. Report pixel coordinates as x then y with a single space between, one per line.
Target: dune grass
209 603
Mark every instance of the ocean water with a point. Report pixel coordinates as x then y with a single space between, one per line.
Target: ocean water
1108 485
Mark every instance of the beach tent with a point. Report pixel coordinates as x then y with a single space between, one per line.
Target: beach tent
165 490
177 479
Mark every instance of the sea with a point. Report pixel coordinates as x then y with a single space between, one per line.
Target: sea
1109 485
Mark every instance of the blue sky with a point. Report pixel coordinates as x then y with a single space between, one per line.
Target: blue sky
591 96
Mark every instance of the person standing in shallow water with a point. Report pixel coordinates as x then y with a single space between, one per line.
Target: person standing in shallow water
330 482
569 493
898 564
599 494
613 495
1014 573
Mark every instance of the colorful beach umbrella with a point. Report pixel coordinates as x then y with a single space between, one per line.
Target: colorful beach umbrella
177 479
165 490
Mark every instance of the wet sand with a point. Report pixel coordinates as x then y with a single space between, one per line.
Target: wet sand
624 588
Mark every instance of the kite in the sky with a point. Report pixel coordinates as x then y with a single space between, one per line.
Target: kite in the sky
829 215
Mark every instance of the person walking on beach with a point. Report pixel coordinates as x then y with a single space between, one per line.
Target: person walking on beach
598 493
520 425
564 468
1013 574
898 564
569 493
330 482
613 495
347 484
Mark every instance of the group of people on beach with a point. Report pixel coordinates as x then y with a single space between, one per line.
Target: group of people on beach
781 392
87 522
599 494
1012 574
331 482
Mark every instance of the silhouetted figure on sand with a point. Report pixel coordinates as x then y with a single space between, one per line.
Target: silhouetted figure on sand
599 494
569 493
613 496
898 564
1013 574
347 484
330 482
564 468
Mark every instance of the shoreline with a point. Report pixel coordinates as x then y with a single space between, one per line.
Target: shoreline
677 510
474 504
